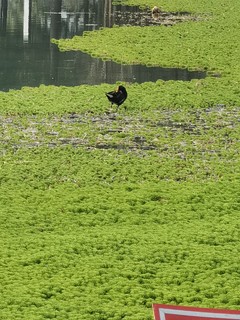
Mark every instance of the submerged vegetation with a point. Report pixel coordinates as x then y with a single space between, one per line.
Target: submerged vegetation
103 214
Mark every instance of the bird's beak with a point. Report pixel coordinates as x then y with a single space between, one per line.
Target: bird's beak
117 89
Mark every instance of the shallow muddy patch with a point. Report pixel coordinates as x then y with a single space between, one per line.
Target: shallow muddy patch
134 16
208 131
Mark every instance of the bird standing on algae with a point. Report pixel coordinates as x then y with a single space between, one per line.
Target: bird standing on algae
118 96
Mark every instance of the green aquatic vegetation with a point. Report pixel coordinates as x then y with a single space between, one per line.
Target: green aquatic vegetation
142 97
113 223
104 213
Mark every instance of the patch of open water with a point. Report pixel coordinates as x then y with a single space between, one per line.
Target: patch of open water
27 58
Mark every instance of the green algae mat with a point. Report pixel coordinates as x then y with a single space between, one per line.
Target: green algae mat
104 213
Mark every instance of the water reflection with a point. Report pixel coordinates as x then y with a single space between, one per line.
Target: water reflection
26 19
3 22
28 59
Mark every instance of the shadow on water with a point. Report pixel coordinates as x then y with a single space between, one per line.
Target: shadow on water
28 59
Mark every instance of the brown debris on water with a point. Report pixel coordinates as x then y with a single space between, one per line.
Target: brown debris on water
150 17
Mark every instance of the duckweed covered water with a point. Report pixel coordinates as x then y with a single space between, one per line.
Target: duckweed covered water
104 213
140 206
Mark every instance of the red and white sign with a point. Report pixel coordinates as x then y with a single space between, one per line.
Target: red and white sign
167 312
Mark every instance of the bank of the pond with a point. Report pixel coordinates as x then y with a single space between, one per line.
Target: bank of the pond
217 7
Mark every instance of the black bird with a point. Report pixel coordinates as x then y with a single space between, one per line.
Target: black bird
118 96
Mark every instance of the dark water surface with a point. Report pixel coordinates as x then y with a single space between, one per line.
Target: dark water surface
27 58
